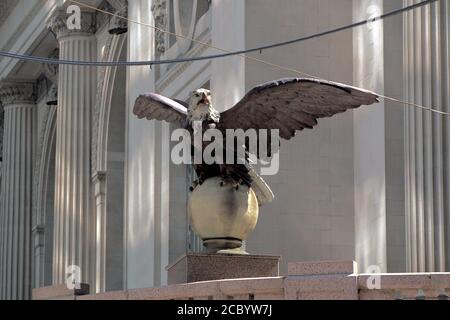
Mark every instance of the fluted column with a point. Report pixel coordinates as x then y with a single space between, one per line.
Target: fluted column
99 184
15 211
426 61
74 225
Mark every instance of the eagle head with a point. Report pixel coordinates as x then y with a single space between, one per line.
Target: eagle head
200 107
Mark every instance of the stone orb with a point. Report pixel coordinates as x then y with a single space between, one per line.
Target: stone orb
221 215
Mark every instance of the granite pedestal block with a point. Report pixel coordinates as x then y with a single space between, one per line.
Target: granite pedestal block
196 267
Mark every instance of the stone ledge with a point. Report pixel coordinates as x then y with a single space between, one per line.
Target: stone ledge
114 295
308 282
218 289
322 268
407 280
59 292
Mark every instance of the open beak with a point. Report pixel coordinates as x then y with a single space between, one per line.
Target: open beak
204 99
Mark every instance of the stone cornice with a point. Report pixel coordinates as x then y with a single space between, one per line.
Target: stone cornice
118 25
51 70
119 5
14 92
57 23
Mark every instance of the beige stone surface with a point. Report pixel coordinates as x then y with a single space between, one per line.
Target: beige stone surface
337 284
181 291
58 292
115 295
321 288
399 281
221 289
322 267
252 286
195 267
377 294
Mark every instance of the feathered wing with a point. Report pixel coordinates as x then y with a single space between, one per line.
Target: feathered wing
290 105
157 107
293 104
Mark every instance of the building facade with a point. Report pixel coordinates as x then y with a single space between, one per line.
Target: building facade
88 189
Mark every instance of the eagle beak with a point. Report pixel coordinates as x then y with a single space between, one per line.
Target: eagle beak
204 99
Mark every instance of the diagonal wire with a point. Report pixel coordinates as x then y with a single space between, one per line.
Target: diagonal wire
228 52
242 53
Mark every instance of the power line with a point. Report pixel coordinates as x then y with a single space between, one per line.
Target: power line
227 53
274 45
321 34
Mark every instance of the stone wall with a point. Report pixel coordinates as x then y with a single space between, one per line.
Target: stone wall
312 216
337 280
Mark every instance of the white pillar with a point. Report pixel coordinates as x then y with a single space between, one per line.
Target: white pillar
74 223
426 60
142 244
99 185
15 212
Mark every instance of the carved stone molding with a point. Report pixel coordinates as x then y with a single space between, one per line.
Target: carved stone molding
14 92
42 85
118 4
39 236
178 70
51 73
57 23
118 25
1 139
103 19
6 7
51 70
159 10
105 85
44 137
96 113
99 181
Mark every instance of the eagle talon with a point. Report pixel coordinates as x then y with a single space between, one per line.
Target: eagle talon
194 185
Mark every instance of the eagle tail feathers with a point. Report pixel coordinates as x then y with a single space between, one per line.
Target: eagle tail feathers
261 188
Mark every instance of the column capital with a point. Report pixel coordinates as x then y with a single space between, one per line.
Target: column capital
119 5
57 23
51 70
51 73
118 25
13 92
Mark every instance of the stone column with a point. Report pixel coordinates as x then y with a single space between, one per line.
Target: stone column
117 27
74 222
18 101
99 185
427 80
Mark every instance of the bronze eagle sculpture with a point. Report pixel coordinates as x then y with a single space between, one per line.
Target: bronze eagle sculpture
289 105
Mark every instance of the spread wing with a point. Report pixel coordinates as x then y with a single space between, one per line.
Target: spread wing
157 107
293 104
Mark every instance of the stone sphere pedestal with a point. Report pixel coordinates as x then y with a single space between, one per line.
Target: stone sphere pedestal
223 215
